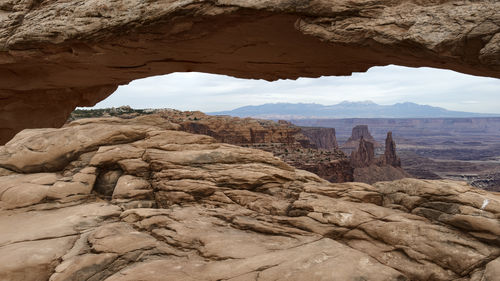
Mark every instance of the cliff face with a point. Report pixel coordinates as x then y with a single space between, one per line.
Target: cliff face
50 62
236 130
114 199
323 138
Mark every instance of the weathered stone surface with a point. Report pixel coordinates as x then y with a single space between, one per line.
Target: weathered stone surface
318 260
51 62
201 210
132 187
53 149
32 260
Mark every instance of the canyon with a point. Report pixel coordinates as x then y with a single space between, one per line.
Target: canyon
138 199
465 149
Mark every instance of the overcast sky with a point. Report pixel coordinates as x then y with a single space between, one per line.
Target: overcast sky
383 85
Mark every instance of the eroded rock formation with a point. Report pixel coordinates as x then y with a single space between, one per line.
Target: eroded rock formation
359 132
185 207
390 156
364 156
55 55
371 169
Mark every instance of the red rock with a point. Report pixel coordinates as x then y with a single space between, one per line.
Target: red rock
358 132
364 156
390 157
50 63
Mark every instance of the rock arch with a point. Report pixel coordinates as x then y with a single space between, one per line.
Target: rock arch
56 55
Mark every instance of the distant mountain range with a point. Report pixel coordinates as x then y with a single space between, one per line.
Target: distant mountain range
346 109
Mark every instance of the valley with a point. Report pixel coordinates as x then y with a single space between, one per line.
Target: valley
465 149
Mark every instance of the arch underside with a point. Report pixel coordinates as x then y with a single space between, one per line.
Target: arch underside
57 55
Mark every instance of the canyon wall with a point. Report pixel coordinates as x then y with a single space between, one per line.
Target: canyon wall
323 138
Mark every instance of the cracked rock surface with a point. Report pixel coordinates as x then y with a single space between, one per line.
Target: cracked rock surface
59 54
138 200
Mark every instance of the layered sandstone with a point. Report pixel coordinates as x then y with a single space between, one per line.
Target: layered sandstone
142 202
55 55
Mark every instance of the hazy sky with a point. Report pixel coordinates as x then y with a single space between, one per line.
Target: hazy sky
383 85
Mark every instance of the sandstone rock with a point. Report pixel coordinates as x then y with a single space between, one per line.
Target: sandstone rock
492 270
364 156
369 169
451 203
83 267
113 43
316 260
59 222
64 189
51 149
119 238
390 157
32 260
323 138
18 190
201 210
132 187
235 130
359 132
